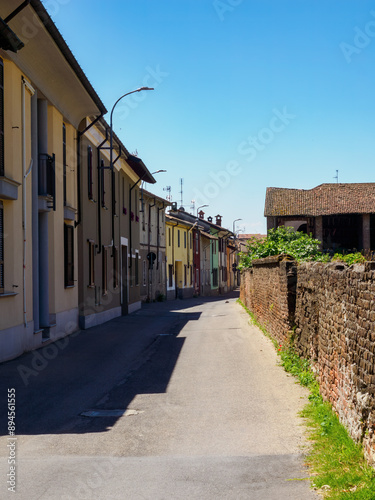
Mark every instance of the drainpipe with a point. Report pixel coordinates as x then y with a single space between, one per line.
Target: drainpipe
130 219
150 281
35 215
25 85
158 237
99 169
43 224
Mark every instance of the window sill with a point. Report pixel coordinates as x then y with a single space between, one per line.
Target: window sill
8 294
69 286
90 286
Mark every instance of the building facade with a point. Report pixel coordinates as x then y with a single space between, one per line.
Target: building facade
179 245
341 216
45 96
153 247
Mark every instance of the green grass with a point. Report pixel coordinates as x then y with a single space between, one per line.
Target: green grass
337 465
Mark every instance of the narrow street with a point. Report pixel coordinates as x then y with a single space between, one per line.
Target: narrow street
205 412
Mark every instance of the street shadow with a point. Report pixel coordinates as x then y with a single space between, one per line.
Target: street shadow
102 368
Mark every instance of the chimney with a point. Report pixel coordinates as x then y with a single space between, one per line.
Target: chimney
201 214
209 219
218 220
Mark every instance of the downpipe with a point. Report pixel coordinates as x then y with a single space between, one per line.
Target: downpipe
31 90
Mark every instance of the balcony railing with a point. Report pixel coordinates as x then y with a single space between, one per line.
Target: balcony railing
47 178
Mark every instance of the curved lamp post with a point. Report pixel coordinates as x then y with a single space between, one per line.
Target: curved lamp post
111 121
111 159
202 206
234 226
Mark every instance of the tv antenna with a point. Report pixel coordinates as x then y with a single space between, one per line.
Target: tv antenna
182 192
192 206
337 176
168 189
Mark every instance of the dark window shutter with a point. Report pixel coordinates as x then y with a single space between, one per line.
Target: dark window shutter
89 172
102 181
1 117
69 255
1 248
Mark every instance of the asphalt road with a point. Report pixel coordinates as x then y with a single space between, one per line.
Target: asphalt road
182 400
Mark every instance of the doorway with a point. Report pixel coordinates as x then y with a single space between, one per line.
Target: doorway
124 280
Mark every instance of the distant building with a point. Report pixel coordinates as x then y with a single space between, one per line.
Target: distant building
179 245
242 239
153 246
341 216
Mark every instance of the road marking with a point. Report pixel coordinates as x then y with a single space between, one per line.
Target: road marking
110 413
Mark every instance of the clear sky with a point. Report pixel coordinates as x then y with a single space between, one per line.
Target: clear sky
248 93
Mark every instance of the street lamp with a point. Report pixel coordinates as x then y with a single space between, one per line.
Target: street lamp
111 159
111 121
143 182
202 206
234 225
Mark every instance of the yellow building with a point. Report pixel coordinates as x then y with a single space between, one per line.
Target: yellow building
179 250
44 98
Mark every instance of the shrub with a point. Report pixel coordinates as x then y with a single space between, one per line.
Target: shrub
282 240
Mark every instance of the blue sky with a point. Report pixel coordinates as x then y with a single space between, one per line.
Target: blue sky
248 94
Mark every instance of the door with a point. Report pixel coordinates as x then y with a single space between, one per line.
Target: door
124 280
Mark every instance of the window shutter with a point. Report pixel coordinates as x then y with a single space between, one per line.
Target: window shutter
1 248
89 172
69 255
1 117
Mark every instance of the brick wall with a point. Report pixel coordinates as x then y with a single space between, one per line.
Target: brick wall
334 321
268 290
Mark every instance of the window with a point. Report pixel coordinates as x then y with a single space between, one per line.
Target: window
1 117
184 239
191 275
64 162
91 263
170 275
104 270
90 179
214 277
196 243
1 247
178 238
169 236
69 255
123 197
144 272
136 269
224 274
102 179
197 277
185 274
115 268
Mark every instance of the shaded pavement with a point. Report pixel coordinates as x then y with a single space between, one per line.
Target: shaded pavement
180 400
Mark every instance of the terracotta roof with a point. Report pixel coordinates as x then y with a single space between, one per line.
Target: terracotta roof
325 199
246 237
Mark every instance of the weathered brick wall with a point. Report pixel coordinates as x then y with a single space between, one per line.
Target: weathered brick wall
334 322
335 313
268 290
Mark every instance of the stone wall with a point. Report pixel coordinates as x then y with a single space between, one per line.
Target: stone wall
333 319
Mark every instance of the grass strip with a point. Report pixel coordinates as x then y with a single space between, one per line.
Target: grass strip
337 464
